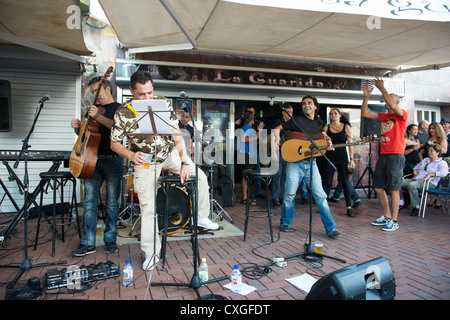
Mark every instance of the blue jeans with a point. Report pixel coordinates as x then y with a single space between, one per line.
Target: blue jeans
110 171
299 171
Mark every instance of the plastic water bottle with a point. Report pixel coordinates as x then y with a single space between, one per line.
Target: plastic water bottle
236 277
203 271
127 273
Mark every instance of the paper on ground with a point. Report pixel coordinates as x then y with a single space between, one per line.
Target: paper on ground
302 281
243 288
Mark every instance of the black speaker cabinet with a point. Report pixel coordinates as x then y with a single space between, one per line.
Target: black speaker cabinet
5 106
371 280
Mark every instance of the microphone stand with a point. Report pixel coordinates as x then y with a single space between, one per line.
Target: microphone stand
309 254
195 283
26 263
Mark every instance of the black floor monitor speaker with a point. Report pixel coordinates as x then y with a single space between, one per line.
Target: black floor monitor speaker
371 280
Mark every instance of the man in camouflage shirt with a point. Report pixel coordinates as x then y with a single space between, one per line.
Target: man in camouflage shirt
170 155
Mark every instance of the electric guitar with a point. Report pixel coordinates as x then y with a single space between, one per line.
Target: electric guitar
297 147
83 157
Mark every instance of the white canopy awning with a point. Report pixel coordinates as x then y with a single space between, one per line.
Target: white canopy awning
409 33
44 26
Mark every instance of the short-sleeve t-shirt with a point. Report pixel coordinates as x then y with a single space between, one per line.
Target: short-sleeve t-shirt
392 132
248 147
310 126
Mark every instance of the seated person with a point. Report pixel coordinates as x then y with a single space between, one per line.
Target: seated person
432 167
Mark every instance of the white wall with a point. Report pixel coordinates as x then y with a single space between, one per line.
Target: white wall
52 130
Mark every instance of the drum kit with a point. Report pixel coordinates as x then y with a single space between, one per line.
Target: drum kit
178 210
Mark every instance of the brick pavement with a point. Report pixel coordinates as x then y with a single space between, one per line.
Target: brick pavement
418 253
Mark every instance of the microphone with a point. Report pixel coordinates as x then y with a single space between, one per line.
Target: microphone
183 95
276 103
45 98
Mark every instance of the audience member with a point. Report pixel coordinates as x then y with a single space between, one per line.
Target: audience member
278 180
257 126
389 168
445 122
412 148
188 136
422 133
247 152
339 132
437 135
431 167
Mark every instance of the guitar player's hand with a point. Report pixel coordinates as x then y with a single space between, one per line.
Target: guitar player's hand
329 144
92 111
75 123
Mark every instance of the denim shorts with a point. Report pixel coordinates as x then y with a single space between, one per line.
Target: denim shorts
389 171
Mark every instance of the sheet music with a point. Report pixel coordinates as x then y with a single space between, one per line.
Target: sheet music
161 116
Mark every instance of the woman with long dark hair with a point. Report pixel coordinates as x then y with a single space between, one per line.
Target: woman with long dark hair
339 132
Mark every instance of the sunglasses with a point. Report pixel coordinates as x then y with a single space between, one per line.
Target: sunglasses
94 80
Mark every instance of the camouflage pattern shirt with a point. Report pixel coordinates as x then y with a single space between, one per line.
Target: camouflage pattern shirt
126 126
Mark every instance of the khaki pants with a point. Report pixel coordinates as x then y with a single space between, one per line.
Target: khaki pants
145 184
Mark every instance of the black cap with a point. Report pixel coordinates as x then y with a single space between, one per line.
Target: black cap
445 120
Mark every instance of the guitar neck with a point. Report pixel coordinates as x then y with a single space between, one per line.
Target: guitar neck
345 144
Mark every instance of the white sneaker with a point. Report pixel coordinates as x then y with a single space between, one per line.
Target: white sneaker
150 263
207 224
391 226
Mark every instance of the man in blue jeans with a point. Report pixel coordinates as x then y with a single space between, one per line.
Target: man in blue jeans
109 168
297 172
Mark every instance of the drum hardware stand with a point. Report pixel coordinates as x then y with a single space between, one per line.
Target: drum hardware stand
369 171
26 264
130 208
215 205
195 282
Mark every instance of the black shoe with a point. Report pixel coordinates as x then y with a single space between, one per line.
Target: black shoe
111 247
414 212
350 213
356 204
284 228
83 250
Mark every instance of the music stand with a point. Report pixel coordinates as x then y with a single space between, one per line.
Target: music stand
195 282
153 118
309 254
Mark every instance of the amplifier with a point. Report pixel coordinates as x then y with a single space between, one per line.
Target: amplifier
74 275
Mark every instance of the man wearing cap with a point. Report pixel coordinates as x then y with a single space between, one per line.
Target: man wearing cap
445 122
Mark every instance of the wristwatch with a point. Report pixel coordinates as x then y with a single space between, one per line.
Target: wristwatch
185 163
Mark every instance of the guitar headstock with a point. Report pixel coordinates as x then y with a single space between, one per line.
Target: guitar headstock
102 80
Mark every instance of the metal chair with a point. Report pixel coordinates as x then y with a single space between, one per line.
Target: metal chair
441 192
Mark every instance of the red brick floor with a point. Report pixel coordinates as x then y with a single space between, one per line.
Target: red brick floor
418 253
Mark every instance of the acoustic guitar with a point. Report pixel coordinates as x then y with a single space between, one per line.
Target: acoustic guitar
297 146
83 157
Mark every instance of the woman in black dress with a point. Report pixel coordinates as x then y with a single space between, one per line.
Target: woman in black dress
412 148
339 132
